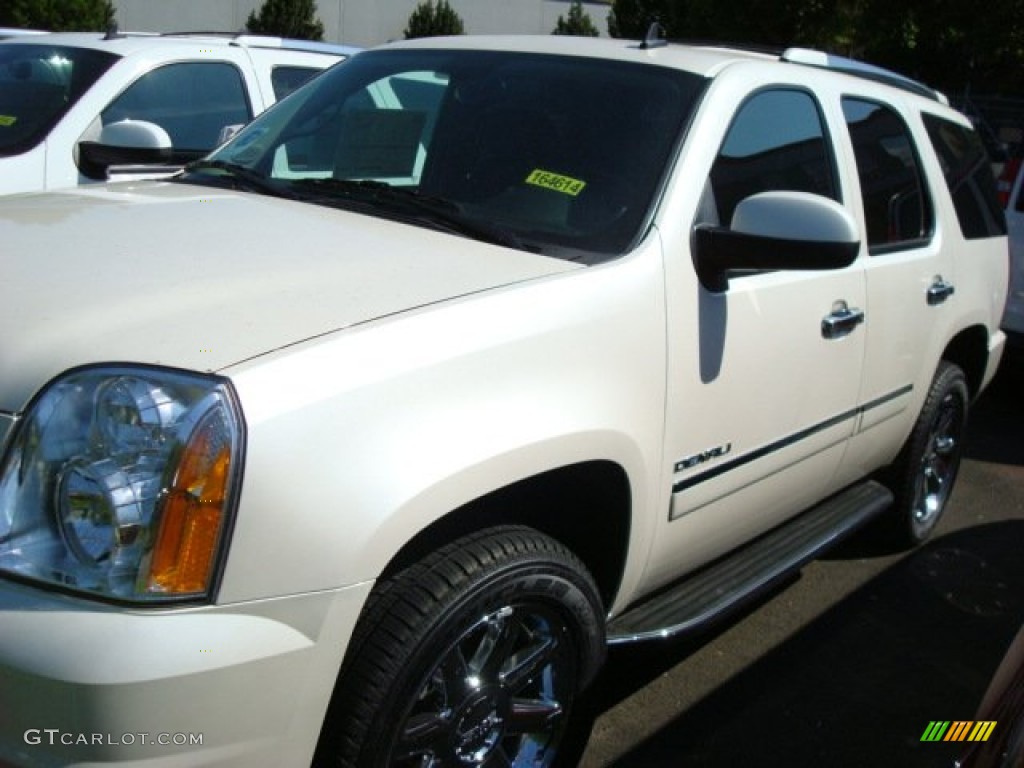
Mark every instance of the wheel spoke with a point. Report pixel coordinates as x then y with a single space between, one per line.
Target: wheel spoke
422 736
528 663
532 716
499 640
454 674
945 445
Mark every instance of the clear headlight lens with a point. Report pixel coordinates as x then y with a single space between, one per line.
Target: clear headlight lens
120 482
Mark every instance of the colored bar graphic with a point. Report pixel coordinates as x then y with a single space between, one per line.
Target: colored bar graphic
935 731
958 730
982 730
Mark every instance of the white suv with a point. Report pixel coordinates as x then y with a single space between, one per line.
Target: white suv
78 107
360 440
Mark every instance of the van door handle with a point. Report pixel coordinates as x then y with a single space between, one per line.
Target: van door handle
939 291
841 321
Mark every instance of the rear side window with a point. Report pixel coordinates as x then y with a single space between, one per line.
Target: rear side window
897 208
286 79
968 173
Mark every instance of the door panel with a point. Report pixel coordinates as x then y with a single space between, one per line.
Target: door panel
910 281
761 400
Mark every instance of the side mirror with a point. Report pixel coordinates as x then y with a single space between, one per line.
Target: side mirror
229 132
128 142
777 230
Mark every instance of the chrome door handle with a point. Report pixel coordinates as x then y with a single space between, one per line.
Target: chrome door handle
939 291
841 321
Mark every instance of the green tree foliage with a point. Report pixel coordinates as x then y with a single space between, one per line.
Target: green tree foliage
632 18
433 20
57 15
950 44
954 45
287 18
578 23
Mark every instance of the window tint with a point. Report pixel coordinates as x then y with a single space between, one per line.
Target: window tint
968 174
897 208
387 127
284 80
776 142
38 85
519 148
193 102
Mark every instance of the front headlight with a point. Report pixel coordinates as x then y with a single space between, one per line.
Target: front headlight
120 482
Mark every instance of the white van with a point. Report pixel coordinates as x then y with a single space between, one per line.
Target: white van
86 107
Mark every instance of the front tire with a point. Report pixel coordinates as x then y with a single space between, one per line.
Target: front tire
930 461
474 656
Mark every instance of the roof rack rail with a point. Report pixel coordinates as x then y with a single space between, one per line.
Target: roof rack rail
744 47
245 39
201 33
814 58
112 32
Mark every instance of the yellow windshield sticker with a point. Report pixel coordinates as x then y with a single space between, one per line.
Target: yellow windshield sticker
556 181
6 121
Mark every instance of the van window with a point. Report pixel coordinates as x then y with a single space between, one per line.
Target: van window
777 142
897 207
192 101
968 173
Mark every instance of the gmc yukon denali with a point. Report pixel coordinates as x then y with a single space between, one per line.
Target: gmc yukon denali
360 440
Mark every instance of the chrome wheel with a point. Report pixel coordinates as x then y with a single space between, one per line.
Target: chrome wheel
923 477
498 697
939 462
477 654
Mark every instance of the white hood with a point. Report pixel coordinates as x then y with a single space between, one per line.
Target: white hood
200 278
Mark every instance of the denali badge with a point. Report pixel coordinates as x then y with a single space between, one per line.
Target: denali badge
699 458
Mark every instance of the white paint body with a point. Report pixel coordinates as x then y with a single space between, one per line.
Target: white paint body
51 164
389 375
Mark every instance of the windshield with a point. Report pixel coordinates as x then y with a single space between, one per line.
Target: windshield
555 154
38 85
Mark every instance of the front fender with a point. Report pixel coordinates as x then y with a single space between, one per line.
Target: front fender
360 440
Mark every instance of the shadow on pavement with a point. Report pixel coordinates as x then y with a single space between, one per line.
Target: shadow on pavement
996 429
859 686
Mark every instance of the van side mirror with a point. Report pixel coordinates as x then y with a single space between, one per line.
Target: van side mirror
127 142
776 230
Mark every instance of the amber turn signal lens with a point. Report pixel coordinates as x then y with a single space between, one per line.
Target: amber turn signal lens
193 514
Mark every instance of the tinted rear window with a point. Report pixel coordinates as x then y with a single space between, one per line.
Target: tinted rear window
968 172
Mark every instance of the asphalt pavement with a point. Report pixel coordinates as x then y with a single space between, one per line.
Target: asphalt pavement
849 663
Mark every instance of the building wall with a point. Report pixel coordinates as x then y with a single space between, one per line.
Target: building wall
353 22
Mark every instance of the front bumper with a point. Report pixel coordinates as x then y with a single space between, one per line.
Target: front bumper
239 685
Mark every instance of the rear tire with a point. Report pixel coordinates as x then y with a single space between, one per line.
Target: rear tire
926 472
474 656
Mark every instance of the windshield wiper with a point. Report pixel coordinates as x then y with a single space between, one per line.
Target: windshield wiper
413 206
240 176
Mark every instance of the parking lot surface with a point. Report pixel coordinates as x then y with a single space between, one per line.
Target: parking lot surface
848 664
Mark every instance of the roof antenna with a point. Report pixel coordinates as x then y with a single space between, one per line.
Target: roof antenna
112 32
655 37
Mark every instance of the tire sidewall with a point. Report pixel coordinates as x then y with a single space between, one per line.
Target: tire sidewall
524 579
949 381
